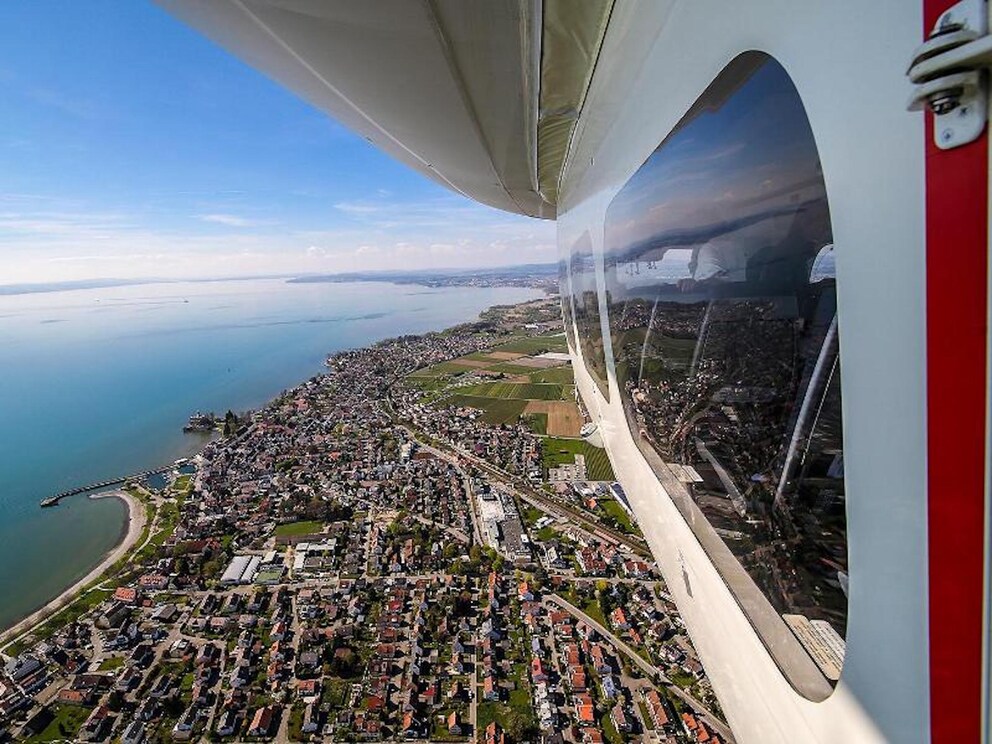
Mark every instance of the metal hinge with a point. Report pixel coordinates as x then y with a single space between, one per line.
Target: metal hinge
949 72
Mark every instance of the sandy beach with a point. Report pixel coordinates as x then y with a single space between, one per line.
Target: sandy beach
136 518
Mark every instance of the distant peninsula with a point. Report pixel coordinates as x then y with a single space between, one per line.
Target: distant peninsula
542 276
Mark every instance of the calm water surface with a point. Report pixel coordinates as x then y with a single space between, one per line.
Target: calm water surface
98 383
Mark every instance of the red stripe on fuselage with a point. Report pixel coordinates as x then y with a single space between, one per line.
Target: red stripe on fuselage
957 254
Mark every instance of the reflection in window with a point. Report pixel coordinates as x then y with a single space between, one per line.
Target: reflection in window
586 308
566 301
719 268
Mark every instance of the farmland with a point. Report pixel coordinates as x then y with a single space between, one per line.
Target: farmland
562 418
557 451
509 383
510 368
535 345
559 375
519 391
442 369
537 422
497 410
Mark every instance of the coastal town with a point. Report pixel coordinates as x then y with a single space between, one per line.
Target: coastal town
423 543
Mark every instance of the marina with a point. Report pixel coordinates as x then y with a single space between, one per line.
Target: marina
54 500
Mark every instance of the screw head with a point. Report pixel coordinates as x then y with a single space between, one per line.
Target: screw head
943 103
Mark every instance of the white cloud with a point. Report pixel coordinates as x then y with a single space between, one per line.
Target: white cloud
69 241
358 208
232 220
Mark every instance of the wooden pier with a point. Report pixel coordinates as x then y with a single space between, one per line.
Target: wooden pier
54 500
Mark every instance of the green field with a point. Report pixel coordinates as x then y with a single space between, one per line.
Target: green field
509 368
515 716
488 712
478 356
429 384
514 390
335 692
560 375
619 514
295 529
556 451
531 515
593 609
67 721
182 483
496 410
442 368
538 422
547 533
535 345
501 401
112 663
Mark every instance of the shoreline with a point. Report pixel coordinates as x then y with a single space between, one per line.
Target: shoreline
135 523
136 516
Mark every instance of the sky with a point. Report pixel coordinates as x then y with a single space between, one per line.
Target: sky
133 147
753 155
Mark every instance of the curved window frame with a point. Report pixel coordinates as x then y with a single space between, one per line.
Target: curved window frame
714 271
565 296
588 318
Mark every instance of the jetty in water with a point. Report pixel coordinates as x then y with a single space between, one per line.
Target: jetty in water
54 500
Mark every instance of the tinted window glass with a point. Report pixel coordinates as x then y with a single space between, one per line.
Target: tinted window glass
586 309
719 269
565 292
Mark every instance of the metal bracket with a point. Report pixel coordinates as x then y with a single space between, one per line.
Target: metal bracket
948 71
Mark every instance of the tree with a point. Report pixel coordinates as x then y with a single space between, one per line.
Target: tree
211 568
115 700
519 726
315 509
343 662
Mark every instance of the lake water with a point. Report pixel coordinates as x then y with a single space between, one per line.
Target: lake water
98 383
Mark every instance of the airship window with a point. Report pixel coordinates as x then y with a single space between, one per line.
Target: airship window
566 302
719 264
586 308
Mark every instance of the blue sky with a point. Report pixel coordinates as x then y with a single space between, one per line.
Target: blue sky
753 154
130 146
